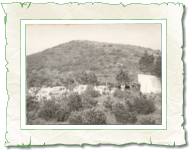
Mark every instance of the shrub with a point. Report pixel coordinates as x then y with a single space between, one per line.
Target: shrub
119 107
154 97
122 77
108 104
94 116
86 77
60 99
129 102
132 117
75 118
122 114
122 94
92 92
74 102
32 108
118 93
48 110
88 101
148 121
32 103
31 115
143 105
38 121
126 117
62 113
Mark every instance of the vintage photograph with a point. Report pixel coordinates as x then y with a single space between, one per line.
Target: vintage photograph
94 74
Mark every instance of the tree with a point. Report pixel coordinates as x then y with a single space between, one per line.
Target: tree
86 78
122 77
146 62
92 78
157 67
69 81
81 77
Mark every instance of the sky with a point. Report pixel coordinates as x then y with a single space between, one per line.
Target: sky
40 37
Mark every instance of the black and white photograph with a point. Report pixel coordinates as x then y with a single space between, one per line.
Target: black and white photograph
94 74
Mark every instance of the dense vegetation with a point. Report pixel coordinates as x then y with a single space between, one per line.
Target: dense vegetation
149 64
90 107
93 64
86 109
62 64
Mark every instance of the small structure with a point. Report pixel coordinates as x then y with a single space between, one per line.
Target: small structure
149 83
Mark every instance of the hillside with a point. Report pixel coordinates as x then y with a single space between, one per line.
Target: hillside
75 56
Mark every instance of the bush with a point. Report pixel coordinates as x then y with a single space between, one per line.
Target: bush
60 99
143 105
119 94
32 109
94 116
122 94
75 118
48 110
37 121
156 98
119 107
74 102
92 92
31 115
88 102
62 114
86 77
108 104
32 104
126 117
122 77
148 121
122 113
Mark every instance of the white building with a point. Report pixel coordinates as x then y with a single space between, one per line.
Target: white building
149 83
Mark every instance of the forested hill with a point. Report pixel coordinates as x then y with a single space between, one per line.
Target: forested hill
81 55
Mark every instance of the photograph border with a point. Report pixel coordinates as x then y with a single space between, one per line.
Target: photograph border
23 86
